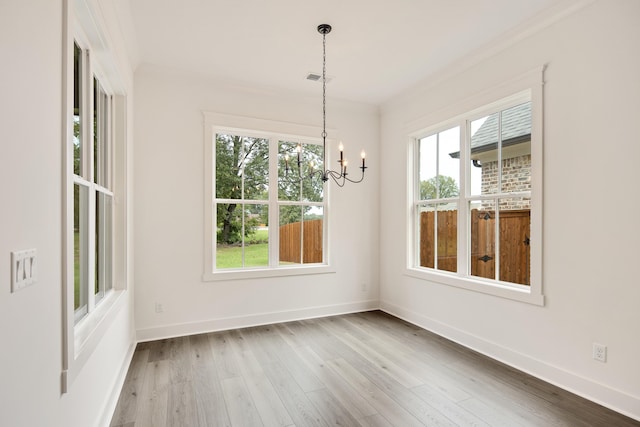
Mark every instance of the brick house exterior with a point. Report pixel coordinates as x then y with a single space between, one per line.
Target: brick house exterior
516 176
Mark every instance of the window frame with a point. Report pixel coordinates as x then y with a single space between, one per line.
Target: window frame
275 132
527 87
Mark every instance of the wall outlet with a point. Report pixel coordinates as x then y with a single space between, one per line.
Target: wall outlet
599 352
159 308
24 269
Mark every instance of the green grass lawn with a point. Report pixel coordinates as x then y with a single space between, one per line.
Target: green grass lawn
256 252
255 255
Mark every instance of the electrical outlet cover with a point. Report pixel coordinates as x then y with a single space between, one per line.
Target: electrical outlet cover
599 352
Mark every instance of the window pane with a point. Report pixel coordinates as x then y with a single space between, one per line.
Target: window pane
428 152
228 154
255 168
301 234
242 235
101 134
80 249
443 218
448 183
312 235
447 240
228 256
515 230
229 235
256 241
96 130
483 239
229 223
103 278
516 148
426 245
313 186
242 167
289 184
440 165
304 182
77 110
290 232
484 155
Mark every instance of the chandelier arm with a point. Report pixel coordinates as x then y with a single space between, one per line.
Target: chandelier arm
333 174
355 181
337 178
341 175
308 175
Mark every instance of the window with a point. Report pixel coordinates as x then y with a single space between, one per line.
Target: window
95 167
263 218
92 189
477 200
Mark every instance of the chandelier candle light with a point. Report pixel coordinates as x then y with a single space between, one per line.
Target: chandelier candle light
340 177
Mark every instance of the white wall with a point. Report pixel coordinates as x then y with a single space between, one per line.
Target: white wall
169 206
591 228
30 217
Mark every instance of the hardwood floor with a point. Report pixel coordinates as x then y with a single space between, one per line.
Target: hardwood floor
364 369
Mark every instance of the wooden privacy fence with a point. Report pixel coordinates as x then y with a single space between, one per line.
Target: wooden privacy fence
301 236
514 243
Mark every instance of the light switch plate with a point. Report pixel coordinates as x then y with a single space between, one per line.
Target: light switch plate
24 269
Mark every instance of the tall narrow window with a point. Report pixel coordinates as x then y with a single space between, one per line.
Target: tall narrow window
92 193
95 138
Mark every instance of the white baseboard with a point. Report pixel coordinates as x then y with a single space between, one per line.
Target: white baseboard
114 395
213 325
602 394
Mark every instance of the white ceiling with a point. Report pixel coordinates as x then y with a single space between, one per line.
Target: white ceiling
378 48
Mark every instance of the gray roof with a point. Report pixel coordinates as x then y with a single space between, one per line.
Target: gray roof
516 128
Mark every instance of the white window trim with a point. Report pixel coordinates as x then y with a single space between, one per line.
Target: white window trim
80 339
531 83
215 122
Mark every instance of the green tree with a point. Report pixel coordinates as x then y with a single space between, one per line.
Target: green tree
242 170
242 173
438 187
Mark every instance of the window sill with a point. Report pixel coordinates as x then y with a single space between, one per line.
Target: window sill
89 331
93 322
266 273
514 292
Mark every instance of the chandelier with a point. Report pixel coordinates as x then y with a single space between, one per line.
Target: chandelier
341 176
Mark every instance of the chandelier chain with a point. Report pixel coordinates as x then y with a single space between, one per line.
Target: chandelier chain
324 86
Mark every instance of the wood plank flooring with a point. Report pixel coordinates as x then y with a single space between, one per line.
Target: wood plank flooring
364 369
